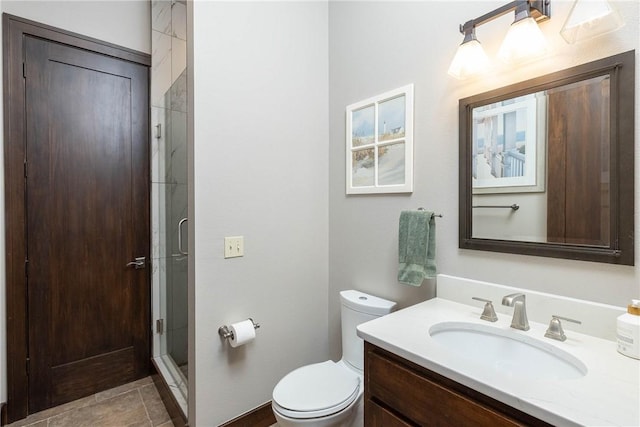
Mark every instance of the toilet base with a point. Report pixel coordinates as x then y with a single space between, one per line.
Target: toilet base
350 417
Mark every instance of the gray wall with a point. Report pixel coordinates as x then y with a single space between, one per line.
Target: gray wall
378 46
125 23
260 170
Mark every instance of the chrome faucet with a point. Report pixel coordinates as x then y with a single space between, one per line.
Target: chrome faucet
517 301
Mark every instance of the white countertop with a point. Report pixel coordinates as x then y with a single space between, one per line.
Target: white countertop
608 395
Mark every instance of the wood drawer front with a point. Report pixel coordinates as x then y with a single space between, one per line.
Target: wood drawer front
424 401
377 416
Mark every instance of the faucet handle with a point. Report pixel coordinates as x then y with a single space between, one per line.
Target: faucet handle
555 331
488 314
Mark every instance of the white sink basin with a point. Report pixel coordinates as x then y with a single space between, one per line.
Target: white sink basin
509 353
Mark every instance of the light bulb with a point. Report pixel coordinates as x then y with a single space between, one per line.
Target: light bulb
524 41
469 60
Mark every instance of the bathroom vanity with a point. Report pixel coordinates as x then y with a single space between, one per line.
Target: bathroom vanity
402 393
431 363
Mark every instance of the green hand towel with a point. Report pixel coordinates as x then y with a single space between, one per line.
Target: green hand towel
416 247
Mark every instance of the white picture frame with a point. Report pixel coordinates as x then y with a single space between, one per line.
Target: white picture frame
528 114
379 143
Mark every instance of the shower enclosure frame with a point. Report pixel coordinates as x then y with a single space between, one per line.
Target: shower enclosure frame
169 193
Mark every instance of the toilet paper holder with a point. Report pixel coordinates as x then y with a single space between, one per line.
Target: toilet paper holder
226 333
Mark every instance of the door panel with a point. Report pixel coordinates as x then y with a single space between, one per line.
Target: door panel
578 210
87 217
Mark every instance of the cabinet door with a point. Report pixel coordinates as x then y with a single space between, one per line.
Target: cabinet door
399 391
377 416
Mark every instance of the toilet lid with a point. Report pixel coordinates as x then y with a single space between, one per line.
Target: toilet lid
316 390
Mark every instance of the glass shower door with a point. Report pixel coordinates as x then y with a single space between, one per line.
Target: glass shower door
170 220
169 194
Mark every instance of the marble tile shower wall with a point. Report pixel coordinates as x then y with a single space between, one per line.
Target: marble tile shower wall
169 167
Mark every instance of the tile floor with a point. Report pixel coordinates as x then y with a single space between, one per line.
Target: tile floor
136 404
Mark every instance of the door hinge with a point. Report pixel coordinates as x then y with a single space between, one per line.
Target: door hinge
26 268
24 70
160 326
25 169
28 366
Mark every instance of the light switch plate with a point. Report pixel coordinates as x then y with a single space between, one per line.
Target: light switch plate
233 246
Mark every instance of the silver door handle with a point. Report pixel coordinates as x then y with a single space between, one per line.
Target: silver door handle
182 221
138 263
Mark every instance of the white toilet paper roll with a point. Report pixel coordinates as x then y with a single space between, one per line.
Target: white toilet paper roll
243 332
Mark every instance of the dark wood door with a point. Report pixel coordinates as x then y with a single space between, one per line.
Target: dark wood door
578 194
87 210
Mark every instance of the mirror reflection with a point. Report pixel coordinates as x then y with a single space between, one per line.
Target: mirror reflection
540 166
547 165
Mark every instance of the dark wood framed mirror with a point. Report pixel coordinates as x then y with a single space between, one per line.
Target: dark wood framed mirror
547 165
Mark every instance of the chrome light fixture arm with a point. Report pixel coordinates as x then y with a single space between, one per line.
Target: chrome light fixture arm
540 10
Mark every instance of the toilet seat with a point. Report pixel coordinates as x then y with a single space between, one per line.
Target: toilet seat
316 390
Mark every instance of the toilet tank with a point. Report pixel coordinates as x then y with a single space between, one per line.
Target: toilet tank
356 308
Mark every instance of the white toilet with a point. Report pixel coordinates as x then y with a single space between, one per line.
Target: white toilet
329 394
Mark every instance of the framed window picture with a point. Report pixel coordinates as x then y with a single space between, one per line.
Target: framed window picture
508 145
380 143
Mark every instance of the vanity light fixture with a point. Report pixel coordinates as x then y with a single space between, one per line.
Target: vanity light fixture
590 18
470 58
523 41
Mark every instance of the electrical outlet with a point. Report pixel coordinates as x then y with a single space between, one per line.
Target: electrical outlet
233 246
